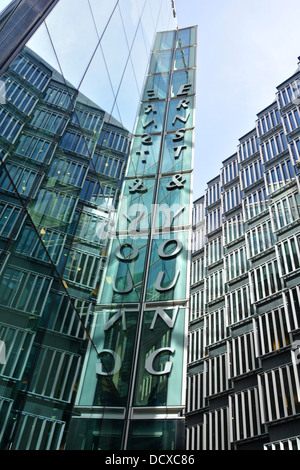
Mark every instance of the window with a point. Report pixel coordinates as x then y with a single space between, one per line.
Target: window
289 254
24 290
286 210
196 345
31 245
229 172
268 121
213 194
195 392
274 146
107 165
17 95
30 72
232 198
16 356
99 194
249 147
35 148
52 122
279 175
265 280
243 357
58 97
214 286
87 120
215 326
214 251
217 374
9 217
245 417
272 331
36 433
113 140
214 220
197 305
83 268
67 172
55 374
216 436
255 203
234 228
77 143
260 239
238 305
22 178
60 206
198 238
68 316
285 444
282 383
9 125
292 307
197 273
237 263
252 173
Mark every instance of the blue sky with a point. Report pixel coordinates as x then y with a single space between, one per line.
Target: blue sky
245 49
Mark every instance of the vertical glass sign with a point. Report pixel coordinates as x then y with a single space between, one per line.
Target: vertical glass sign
140 328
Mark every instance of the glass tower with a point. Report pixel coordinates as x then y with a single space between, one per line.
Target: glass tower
132 391
63 157
244 375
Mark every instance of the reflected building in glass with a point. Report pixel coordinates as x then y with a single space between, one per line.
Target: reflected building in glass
243 390
63 158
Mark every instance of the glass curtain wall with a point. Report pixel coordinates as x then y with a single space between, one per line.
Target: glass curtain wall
68 106
134 388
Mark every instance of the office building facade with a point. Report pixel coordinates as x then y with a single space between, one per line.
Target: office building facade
243 387
63 159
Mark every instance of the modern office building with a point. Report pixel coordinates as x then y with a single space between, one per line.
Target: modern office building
243 389
63 158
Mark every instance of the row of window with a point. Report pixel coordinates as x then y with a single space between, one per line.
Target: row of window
252 173
232 198
260 238
87 120
268 121
12 92
197 273
280 175
113 140
58 97
51 122
274 146
213 194
233 228
36 148
286 210
9 125
24 290
237 263
67 172
292 120
289 93
229 172
107 165
289 254
249 148
15 176
30 72
255 203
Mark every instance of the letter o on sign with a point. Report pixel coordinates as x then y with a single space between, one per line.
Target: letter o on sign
162 249
131 257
